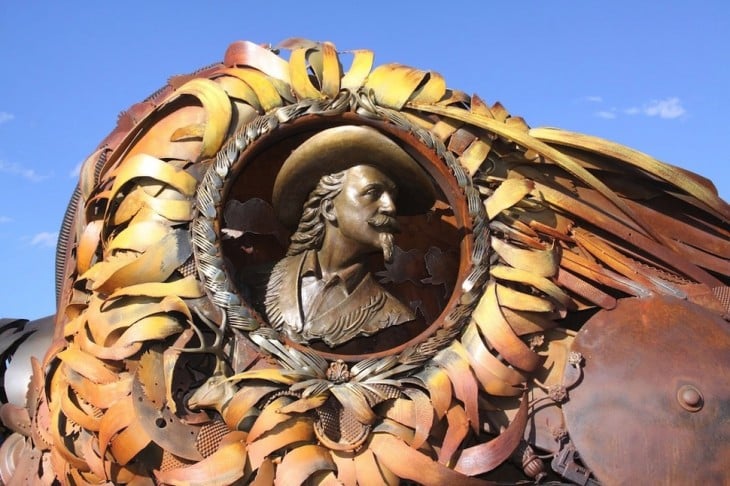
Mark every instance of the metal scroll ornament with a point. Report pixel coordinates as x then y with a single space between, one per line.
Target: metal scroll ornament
202 338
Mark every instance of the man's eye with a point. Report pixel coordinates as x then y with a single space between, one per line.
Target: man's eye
373 192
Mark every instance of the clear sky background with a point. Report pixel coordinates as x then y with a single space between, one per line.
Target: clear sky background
652 75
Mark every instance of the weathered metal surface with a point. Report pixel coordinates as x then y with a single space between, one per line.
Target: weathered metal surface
161 335
654 403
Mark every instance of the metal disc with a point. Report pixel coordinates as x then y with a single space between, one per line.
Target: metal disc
653 406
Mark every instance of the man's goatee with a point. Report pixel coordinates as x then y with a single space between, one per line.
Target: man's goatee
386 243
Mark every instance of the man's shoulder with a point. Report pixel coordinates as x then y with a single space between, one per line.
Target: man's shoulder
391 305
284 261
285 267
281 272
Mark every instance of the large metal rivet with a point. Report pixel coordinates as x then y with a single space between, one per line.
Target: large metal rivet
690 398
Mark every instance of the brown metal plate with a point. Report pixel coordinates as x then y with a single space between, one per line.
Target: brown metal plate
654 403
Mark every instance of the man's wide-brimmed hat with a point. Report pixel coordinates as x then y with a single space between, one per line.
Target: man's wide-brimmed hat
339 148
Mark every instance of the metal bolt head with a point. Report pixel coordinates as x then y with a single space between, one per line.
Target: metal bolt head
690 398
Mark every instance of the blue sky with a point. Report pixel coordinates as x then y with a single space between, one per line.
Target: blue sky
651 75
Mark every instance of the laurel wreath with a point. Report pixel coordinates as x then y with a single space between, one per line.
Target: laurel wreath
207 244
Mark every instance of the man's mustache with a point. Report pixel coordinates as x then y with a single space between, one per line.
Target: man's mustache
383 222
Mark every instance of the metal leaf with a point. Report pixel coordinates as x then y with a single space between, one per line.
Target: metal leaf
423 415
87 365
299 74
97 394
87 246
186 288
456 364
269 374
137 237
108 320
92 458
154 265
151 378
496 329
129 442
242 403
475 154
458 427
370 473
431 90
298 429
526 277
522 301
589 269
271 415
72 412
150 328
266 94
524 322
223 467
520 136
494 376
196 130
271 344
301 462
139 205
701 190
402 410
329 77
119 416
410 464
393 84
362 63
488 455
509 193
218 112
542 263
246 53
57 432
264 474
146 166
345 463
304 404
612 258
103 352
240 90
437 382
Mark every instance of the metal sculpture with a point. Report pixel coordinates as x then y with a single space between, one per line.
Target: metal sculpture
554 308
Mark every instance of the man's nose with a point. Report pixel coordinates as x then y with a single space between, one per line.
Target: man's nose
387 204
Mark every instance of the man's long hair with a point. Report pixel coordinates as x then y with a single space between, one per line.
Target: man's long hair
310 231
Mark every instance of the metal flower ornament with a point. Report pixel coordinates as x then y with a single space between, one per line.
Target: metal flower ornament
293 267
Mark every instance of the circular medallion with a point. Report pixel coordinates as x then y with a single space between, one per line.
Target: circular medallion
404 294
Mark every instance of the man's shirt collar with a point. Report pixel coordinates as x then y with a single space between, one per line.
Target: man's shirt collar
351 276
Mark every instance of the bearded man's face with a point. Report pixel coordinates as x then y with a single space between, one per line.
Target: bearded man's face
365 210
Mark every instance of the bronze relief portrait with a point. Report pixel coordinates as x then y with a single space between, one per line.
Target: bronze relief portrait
343 189
338 201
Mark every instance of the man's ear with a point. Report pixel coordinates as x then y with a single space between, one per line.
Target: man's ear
327 208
